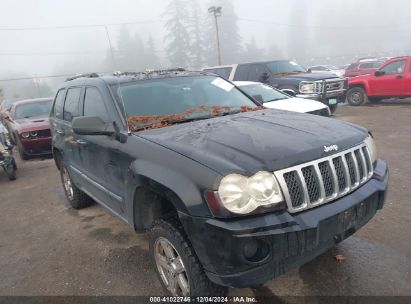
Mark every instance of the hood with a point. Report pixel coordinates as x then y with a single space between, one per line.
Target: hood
246 143
33 123
310 76
295 104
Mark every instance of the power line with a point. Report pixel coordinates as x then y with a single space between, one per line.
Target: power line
317 26
60 27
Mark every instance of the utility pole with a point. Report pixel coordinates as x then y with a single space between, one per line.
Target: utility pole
216 11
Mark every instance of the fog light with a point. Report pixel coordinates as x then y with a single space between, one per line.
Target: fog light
256 250
250 249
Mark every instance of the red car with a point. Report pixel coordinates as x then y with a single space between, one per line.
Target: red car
392 79
29 126
363 67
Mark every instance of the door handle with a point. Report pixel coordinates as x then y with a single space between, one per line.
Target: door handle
399 77
61 132
81 142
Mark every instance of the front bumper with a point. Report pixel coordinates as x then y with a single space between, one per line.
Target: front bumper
285 241
325 97
36 146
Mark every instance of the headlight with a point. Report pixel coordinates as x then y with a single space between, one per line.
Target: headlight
369 141
33 133
243 195
25 134
307 87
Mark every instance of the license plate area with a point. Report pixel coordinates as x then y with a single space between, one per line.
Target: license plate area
332 101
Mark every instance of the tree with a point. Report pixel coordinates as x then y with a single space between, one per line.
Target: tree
197 48
252 52
177 36
151 57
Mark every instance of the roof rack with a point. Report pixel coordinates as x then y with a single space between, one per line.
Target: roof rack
88 75
148 71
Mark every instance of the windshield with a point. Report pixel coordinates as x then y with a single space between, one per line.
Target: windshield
263 93
33 109
285 67
161 102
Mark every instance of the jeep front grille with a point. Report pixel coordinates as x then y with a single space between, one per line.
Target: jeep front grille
321 181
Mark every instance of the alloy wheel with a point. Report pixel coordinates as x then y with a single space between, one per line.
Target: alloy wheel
171 268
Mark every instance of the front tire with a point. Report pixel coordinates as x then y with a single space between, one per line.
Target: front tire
176 264
356 96
77 198
333 108
23 155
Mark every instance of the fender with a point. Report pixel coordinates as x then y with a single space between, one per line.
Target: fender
185 195
359 82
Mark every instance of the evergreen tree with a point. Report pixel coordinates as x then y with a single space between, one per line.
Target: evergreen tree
151 57
177 36
252 52
197 49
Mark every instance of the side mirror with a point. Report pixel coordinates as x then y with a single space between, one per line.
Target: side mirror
265 77
91 125
309 70
379 73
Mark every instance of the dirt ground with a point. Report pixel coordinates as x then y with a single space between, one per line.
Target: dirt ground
46 248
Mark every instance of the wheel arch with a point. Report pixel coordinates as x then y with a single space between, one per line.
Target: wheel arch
173 191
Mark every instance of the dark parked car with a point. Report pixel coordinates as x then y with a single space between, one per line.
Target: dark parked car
231 194
289 77
29 127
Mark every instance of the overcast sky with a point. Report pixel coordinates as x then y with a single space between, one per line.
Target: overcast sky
39 51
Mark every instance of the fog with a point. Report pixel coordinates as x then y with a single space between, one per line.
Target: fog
58 38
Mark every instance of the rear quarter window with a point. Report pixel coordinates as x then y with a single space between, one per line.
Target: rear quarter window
223 72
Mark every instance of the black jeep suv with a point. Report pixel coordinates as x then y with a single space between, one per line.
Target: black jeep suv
231 194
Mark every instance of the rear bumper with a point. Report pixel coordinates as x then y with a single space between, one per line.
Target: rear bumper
36 146
284 241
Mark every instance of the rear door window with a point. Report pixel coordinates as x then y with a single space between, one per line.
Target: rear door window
241 73
59 104
71 106
94 104
255 72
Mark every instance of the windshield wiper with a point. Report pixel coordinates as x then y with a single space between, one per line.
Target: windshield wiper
188 119
275 99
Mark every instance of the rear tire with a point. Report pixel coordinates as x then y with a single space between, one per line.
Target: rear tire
77 198
356 96
176 264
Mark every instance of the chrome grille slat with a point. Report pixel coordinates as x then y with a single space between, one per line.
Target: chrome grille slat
356 170
323 180
364 164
